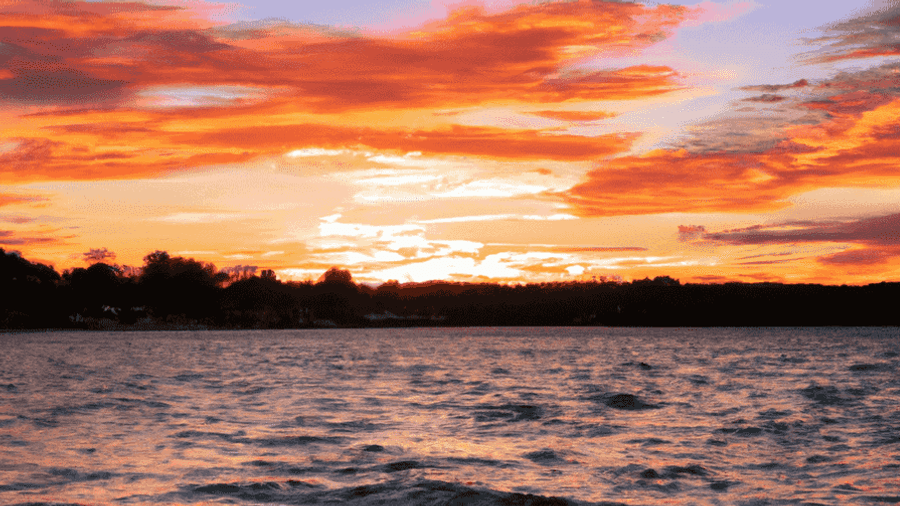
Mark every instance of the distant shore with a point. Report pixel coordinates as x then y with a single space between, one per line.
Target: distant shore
175 293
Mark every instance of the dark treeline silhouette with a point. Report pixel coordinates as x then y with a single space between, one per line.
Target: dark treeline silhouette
175 293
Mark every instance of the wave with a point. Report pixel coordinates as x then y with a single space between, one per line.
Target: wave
420 492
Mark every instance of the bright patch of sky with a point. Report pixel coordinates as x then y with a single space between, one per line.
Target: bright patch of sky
168 97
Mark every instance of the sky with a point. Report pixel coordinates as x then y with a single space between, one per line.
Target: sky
505 140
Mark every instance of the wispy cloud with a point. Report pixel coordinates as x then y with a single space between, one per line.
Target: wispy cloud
504 143
492 189
98 255
870 241
577 116
11 238
838 132
315 152
497 217
19 220
189 217
8 199
871 34
687 233
880 230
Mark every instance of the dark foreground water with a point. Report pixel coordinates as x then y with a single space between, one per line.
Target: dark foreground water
458 416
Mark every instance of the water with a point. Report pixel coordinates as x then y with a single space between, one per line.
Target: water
458 416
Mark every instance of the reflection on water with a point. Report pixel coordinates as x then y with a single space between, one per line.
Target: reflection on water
452 416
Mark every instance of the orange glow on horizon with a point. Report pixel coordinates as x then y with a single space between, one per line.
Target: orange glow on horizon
519 142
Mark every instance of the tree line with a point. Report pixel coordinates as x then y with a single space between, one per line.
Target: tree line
175 292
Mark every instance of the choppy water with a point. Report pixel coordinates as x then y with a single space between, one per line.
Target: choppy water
460 416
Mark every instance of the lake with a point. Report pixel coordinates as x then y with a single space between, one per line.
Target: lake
466 416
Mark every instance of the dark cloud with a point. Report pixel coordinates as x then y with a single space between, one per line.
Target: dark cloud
38 68
768 262
794 105
875 33
712 278
775 88
750 131
763 277
16 219
858 91
102 129
61 85
98 255
178 42
688 233
860 257
879 230
779 254
241 271
767 98
8 237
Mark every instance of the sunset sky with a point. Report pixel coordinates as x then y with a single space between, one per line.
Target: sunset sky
499 140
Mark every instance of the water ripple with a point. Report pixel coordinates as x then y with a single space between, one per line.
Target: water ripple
452 416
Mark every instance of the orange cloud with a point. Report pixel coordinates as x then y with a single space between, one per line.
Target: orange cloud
665 181
481 141
574 115
75 52
37 159
850 140
7 199
122 90
80 154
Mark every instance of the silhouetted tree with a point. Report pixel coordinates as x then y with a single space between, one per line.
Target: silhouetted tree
89 290
180 286
260 302
336 276
336 297
28 296
33 295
